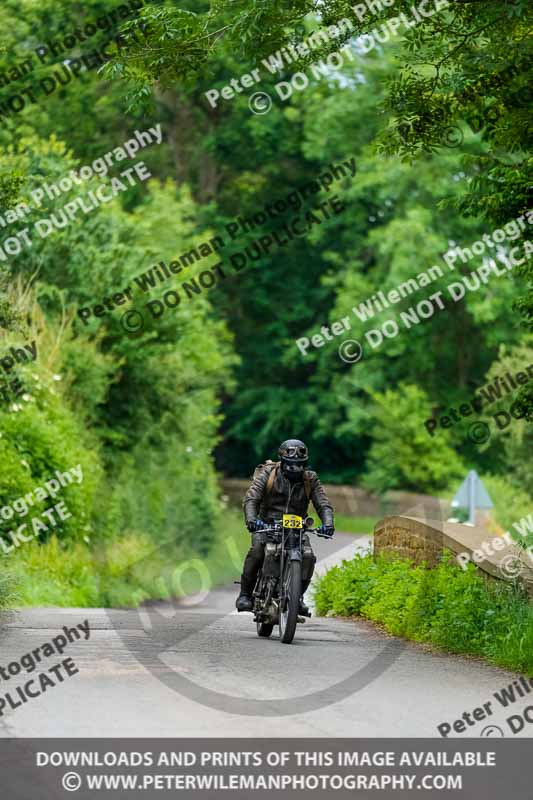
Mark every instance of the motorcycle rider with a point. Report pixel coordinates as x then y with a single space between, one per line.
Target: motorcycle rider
281 488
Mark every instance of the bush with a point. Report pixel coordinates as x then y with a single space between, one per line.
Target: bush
6 591
402 455
453 609
139 414
40 435
123 571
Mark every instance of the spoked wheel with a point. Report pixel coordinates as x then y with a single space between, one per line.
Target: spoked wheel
264 593
264 629
290 600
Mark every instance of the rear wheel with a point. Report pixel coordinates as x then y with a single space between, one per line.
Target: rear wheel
263 592
290 600
264 629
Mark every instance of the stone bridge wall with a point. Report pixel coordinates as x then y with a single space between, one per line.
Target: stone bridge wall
357 502
426 540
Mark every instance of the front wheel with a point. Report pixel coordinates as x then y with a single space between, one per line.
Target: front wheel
290 601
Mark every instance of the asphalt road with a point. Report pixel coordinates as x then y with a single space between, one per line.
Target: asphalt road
200 670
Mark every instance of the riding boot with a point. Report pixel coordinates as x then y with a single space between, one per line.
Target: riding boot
303 610
244 602
250 571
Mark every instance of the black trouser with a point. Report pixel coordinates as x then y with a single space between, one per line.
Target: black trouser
254 559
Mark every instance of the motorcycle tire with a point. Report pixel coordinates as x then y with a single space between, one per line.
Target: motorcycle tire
264 629
292 589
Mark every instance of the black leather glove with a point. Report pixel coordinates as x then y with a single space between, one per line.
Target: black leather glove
256 525
327 531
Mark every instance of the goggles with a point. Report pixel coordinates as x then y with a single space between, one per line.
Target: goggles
295 452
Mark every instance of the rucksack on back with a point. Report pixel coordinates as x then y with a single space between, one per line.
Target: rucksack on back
272 477
260 467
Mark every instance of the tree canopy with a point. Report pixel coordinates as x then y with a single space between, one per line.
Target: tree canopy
434 120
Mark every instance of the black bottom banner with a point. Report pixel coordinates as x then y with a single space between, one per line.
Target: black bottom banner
53 769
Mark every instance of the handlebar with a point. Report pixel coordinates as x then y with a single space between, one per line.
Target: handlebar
279 529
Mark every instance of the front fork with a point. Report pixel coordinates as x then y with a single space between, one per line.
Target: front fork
291 551
293 546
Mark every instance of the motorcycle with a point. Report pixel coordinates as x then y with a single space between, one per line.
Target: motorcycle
278 589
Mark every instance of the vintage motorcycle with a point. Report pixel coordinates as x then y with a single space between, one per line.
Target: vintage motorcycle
277 592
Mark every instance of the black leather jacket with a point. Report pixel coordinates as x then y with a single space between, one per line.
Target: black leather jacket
285 498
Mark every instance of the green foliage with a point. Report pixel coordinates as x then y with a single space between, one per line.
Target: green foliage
392 229
446 607
516 438
221 376
402 454
511 504
7 592
182 43
11 181
139 414
125 571
50 574
40 434
464 69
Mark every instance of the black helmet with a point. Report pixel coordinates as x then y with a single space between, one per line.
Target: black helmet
294 456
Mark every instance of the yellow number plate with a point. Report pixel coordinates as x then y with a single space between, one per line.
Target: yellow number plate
292 521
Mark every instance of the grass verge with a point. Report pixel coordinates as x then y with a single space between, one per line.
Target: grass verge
455 610
6 591
126 571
